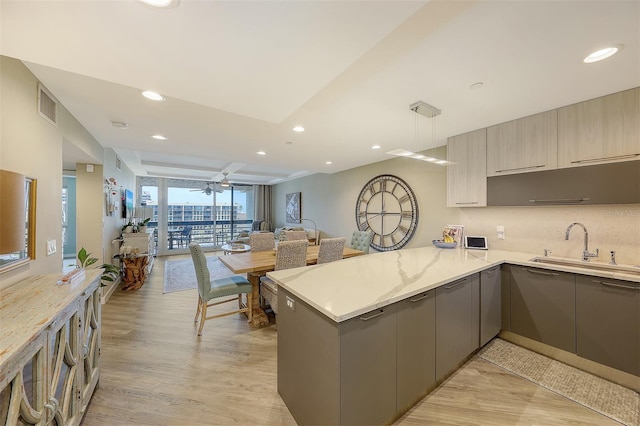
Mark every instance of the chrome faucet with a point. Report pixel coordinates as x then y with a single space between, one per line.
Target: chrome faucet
585 253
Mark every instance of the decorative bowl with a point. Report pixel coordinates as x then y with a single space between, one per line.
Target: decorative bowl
442 244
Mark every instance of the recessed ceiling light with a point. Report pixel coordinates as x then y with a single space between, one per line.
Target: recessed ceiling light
160 3
298 129
476 85
261 153
154 96
376 147
328 162
119 125
601 54
159 137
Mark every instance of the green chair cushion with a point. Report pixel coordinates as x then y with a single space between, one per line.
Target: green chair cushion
228 286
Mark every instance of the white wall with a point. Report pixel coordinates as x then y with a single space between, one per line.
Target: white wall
330 200
33 147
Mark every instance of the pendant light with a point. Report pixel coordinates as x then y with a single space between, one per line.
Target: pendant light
428 111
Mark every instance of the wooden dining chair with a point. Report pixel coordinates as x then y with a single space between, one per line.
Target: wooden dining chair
262 241
209 289
290 254
331 249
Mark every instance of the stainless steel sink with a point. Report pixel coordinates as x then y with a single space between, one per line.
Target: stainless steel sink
625 269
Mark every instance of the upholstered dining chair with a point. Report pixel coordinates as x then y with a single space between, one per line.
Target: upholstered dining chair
290 254
262 241
210 289
293 235
361 240
331 249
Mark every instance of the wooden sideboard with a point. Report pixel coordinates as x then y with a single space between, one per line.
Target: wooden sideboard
49 349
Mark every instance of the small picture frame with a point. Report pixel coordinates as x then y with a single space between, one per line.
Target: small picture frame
456 232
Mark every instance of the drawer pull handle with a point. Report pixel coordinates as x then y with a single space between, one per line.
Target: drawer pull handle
521 168
608 284
617 157
468 202
417 299
372 316
455 283
533 271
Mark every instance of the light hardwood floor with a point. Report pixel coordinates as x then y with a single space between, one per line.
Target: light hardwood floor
156 371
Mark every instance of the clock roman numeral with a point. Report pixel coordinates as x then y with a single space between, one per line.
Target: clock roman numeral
393 239
404 229
406 214
403 199
383 185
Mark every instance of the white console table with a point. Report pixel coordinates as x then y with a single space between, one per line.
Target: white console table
49 349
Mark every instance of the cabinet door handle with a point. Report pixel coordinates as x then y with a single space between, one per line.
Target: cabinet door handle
490 271
417 299
561 201
372 316
616 157
521 168
468 202
452 285
533 271
608 284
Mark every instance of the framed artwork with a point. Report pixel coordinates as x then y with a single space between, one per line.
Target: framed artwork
293 207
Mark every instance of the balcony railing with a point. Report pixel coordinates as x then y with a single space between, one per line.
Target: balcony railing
205 233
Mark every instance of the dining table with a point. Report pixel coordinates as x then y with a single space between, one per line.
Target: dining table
257 264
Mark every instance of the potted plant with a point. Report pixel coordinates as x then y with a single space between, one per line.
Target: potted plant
128 228
142 226
110 273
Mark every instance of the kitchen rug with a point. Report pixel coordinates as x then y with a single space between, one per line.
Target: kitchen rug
609 399
180 275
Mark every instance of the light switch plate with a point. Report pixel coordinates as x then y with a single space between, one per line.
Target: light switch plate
500 231
51 247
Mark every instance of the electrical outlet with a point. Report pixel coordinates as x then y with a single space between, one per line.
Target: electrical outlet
290 303
500 230
51 247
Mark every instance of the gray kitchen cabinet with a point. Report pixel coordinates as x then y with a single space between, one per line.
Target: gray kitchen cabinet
467 178
336 373
524 145
490 304
603 130
608 322
543 306
416 348
457 323
368 368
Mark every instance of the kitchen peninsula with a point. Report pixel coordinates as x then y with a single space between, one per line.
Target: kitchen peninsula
362 340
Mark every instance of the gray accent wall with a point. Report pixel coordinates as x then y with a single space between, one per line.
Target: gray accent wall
330 199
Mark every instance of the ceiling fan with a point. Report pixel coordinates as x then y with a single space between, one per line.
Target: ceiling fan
206 190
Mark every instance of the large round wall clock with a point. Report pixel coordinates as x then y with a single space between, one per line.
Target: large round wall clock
387 206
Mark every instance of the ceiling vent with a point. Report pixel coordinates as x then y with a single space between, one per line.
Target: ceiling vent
47 106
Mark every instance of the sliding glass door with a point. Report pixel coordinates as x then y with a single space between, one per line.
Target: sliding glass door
188 211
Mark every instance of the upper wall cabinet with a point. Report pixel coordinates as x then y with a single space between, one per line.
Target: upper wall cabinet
601 130
527 144
467 179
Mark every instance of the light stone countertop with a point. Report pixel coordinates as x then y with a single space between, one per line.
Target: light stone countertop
350 287
30 305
